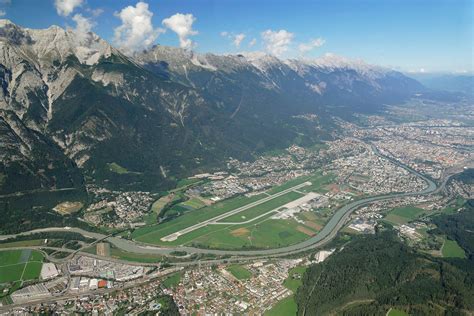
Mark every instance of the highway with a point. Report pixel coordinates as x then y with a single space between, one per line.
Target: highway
327 233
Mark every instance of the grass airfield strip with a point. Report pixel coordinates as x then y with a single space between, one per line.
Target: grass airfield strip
215 219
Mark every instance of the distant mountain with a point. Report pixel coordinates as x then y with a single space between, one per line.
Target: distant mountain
447 82
327 81
71 104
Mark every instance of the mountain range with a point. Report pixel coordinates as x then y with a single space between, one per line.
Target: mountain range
72 106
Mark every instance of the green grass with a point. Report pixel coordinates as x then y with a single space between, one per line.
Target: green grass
402 215
19 265
115 167
186 182
451 249
285 307
239 272
193 203
265 233
270 233
396 312
152 234
262 208
295 277
136 257
32 270
173 280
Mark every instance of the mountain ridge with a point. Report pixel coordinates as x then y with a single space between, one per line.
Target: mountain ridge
163 113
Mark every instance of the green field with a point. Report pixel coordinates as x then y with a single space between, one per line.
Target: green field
116 168
19 265
294 279
451 249
239 272
193 203
396 312
265 233
152 234
22 243
402 215
287 306
173 280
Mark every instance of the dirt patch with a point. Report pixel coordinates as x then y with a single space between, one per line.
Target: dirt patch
305 230
68 207
313 225
333 188
103 249
240 232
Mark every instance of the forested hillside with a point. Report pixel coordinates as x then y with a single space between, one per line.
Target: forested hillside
375 273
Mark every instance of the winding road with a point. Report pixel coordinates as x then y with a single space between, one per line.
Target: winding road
328 232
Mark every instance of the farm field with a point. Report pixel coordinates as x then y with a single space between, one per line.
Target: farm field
451 249
396 312
19 265
172 280
239 272
261 233
403 215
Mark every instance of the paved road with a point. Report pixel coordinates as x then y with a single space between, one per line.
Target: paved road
324 236
216 219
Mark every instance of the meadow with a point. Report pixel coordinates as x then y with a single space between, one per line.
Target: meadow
403 215
20 265
451 249
239 272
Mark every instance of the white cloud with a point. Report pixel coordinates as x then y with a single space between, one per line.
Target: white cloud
136 31
253 42
65 7
314 43
277 42
182 25
2 13
83 25
224 34
95 12
238 39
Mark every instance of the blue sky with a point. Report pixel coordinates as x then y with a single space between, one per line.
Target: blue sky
409 35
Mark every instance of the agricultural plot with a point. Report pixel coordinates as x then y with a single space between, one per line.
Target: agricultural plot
19 265
173 280
402 215
451 249
268 233
239 272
